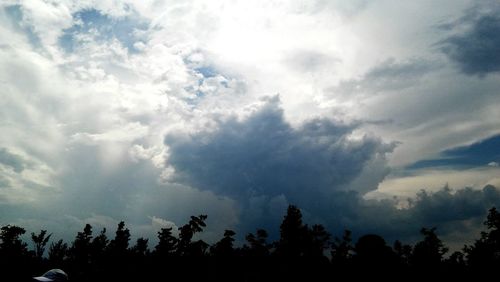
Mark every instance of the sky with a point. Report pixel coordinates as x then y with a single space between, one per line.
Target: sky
377 116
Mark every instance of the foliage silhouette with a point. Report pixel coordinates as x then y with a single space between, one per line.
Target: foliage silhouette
342 250
224 248
428 253
300 254
185 246
374 255
13 251
98 247
484 254
58 253
40 241
11 244
293 234
167 244
119 245
141 248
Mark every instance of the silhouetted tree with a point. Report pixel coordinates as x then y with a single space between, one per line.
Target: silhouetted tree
141 247
140 261
167 243
373 254
299 249
294 234
119 245
186 232
98 246
80 249
223 255
428 253
224 248
319 241
98 258
58 252
456 261
10 243
342 250
258 244
39 242
13 253
118 254
403 254
484 255
257 262
198 248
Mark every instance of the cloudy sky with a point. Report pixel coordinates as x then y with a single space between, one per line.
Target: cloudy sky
152 111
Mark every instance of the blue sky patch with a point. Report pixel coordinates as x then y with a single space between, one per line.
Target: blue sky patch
105 28
207 71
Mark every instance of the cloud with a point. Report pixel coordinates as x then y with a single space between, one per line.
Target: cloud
15 13
14 161
41 22
390 75
310 61
475 45
429 109
264 163
461 204
481 153
264 155
458 214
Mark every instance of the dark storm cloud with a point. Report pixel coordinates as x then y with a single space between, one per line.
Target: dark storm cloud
264 155
444 206
478 154
477 50
265 164
11 160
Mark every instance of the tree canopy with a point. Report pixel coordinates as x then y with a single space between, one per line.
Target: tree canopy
301 253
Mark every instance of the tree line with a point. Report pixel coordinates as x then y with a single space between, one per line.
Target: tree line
302 253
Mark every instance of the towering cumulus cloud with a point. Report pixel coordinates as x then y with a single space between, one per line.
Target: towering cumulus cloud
263 159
